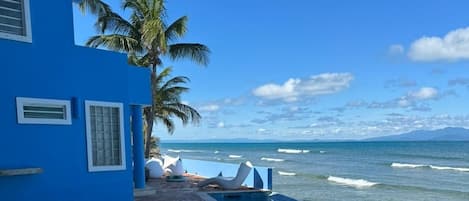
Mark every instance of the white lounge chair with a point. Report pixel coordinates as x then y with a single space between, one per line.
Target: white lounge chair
230 183
173 166
154 165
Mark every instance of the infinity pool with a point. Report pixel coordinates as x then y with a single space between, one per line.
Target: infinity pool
241 196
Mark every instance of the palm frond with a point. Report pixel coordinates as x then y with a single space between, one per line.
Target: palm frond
194 51
96 7
153 34
115 42
176 80
177 29
167 122
114 23
189 111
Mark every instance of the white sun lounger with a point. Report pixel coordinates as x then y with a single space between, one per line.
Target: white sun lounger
227 182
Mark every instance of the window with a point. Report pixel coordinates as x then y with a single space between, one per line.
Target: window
15 20
105 136
43 111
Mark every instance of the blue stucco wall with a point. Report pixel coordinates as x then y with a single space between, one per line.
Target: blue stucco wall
53 67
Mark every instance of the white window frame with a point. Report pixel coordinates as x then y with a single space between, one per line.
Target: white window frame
27 23
21 101
89 147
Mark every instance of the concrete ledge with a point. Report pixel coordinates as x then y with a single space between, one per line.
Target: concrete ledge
144 192
20 171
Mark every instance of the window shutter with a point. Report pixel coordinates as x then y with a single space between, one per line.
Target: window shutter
12 17
44 111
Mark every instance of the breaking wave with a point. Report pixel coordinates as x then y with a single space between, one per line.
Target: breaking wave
434 167
405 165
449 168
272 159
292 151
357 183
235 156
182 151
286 173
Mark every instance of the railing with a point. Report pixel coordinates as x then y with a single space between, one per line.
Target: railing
259 177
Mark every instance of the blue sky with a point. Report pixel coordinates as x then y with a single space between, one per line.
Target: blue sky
321 69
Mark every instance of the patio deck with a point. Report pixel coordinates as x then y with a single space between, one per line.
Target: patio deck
162 190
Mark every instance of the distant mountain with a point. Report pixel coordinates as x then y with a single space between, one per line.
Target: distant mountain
445 134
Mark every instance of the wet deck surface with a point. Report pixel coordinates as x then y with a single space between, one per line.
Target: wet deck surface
173 191
178 191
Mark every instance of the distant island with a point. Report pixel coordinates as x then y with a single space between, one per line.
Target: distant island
445 134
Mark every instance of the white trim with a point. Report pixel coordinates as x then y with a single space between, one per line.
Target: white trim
91 167
27 26
21 101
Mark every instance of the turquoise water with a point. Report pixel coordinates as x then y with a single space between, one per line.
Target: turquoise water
350 170
240 196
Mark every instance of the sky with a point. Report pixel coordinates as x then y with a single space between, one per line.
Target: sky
324 69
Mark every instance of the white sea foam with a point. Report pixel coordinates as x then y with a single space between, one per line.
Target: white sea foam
272 159
286 173
289 151
449 168
357 183
434 167
322 152
405 165
235 156
292 151
182 151
216 152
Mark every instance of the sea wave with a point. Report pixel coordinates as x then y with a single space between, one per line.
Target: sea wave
434 167
235 156
357 183
182 151
322 152
449 168
405 165
286 173
292 151
216 152
272 159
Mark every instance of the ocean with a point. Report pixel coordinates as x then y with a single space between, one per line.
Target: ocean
417 171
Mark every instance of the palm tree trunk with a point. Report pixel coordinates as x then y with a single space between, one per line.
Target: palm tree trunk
149 118
150 113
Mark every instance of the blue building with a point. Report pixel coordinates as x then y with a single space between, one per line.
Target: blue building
67 112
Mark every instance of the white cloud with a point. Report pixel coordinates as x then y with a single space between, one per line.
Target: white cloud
286 91
396 49
260 130
185 102
424 93
294 89
221 124
209 108
453 46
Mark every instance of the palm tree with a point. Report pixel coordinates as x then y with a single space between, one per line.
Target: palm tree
145 37
168 104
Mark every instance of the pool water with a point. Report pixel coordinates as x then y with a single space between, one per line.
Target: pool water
241 196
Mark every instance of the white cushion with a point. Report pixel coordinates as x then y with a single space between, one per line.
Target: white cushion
155 167
176 168
173 165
